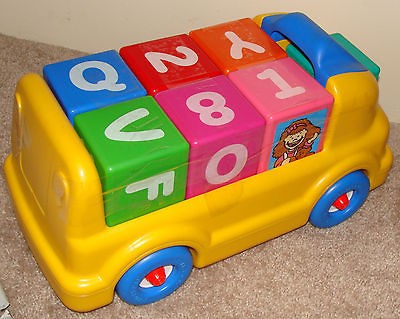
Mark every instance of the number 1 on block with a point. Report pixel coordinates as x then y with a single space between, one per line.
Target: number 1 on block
286 91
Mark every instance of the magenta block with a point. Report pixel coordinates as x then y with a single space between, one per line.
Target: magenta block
223 129
286 96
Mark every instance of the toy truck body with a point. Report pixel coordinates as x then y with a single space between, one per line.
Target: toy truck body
59 198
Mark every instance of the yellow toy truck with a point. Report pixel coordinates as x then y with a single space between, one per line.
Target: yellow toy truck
233 135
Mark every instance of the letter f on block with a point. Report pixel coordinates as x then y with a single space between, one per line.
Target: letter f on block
152 183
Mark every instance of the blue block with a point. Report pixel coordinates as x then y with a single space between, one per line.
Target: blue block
92 82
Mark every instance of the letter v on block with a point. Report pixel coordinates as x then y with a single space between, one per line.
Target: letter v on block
114 130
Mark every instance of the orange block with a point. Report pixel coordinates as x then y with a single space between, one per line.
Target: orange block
237 44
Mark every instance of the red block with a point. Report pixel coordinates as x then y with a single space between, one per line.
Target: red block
169 62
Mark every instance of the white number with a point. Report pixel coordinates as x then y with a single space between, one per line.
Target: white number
241 154
109 83
152 183
156 58
286 91
113 131
215 114
238 45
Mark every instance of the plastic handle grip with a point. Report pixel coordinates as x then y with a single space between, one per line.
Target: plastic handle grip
327 57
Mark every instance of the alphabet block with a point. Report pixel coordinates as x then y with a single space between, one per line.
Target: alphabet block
284 93
166 63
140 156
223 129
91 82
237 44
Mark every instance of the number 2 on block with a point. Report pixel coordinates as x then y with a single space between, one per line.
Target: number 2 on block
286 91
156 58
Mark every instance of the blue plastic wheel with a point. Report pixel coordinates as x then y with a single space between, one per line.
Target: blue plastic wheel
155 276
341 200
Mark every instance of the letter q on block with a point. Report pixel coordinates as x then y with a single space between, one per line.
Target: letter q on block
92 82
77 76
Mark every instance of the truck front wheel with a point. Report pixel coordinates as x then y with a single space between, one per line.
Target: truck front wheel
155 276
341 200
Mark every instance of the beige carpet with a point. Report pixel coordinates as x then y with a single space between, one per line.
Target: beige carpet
350 271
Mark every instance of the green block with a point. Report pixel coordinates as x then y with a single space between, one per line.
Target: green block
296 55
140 155
357 54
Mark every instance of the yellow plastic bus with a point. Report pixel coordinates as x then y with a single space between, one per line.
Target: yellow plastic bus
59 199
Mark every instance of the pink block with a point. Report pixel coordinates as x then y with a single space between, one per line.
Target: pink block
284 93
223 129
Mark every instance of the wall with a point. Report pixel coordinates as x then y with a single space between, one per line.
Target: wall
93 26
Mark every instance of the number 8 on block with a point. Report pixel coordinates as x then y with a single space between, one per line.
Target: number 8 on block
223 129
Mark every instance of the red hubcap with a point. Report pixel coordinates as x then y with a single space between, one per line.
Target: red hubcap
341 202
157 277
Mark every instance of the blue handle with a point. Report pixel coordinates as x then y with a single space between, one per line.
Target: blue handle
326 55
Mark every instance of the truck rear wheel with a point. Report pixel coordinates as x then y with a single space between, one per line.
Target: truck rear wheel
155 276
341 200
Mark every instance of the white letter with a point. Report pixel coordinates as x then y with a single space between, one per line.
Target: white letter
155 58
239 150
109 83
286 91
151 183
113 131
238 45
217 106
